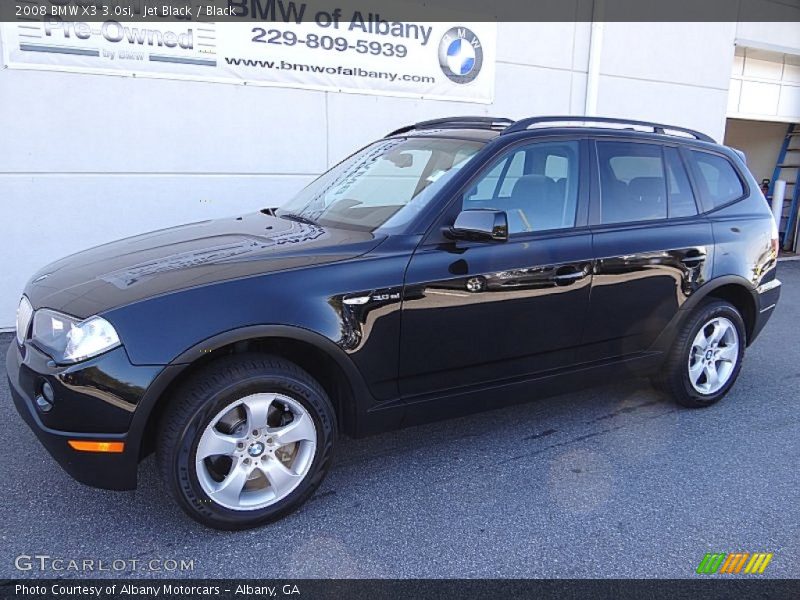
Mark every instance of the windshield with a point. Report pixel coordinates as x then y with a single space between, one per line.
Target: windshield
386 183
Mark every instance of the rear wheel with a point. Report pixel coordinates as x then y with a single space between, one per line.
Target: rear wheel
246 442
706 357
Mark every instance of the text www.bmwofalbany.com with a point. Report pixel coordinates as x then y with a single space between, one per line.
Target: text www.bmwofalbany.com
359 72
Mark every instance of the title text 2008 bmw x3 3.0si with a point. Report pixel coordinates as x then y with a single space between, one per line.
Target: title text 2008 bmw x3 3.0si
455 265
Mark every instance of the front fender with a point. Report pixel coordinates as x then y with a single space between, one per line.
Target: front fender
276 331
172 372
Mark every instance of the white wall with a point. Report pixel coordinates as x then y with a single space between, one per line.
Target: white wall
676 73
781 34
85 159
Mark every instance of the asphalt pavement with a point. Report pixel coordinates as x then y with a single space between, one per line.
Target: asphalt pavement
614 481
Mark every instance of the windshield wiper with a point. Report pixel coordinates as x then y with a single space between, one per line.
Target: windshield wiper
298 218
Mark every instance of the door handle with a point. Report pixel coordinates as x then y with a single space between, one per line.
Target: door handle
569 277
693 260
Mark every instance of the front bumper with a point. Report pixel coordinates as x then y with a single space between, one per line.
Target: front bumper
94 401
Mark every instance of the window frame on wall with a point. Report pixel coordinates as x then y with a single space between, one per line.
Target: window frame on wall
744 85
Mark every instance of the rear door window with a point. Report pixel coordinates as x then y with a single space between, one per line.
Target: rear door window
718 180
632 182
681 197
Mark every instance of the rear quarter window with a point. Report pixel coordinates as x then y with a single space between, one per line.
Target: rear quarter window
717 178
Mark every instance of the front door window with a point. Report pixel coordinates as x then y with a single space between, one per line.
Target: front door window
536 185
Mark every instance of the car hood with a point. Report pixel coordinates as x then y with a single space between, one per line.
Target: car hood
168 260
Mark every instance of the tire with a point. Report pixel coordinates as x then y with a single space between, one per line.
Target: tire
254 423
698 388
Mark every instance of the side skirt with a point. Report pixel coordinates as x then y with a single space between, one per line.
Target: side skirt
427 408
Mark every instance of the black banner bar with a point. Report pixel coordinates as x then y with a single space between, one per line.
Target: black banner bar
715 588
403 10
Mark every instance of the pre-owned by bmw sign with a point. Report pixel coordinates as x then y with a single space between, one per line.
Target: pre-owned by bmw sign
441 61
460 55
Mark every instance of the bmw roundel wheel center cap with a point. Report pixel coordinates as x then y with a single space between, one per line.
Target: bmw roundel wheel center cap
256 449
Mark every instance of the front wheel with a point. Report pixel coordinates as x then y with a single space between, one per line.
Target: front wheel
246 442
706 356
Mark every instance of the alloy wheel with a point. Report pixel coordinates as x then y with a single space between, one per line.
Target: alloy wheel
256 451
713 355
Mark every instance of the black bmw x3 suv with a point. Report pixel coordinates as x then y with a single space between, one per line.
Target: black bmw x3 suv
455 265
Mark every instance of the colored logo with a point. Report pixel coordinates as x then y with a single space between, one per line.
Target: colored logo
460 55
736 563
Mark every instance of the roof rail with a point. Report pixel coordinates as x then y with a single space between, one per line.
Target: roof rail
524 124
456 123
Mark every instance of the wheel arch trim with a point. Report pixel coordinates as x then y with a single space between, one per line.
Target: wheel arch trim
186 359
664 341
705 290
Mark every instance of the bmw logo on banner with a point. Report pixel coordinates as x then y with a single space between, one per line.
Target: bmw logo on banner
460 55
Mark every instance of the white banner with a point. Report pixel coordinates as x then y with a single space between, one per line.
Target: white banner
359 52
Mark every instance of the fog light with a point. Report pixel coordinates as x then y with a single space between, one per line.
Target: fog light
47 392
43 404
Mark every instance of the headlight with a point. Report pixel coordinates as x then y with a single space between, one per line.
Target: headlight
69 340
24 314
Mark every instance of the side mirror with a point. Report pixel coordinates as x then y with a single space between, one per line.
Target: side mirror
480 225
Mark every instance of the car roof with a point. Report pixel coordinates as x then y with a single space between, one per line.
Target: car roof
478 135
485 129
